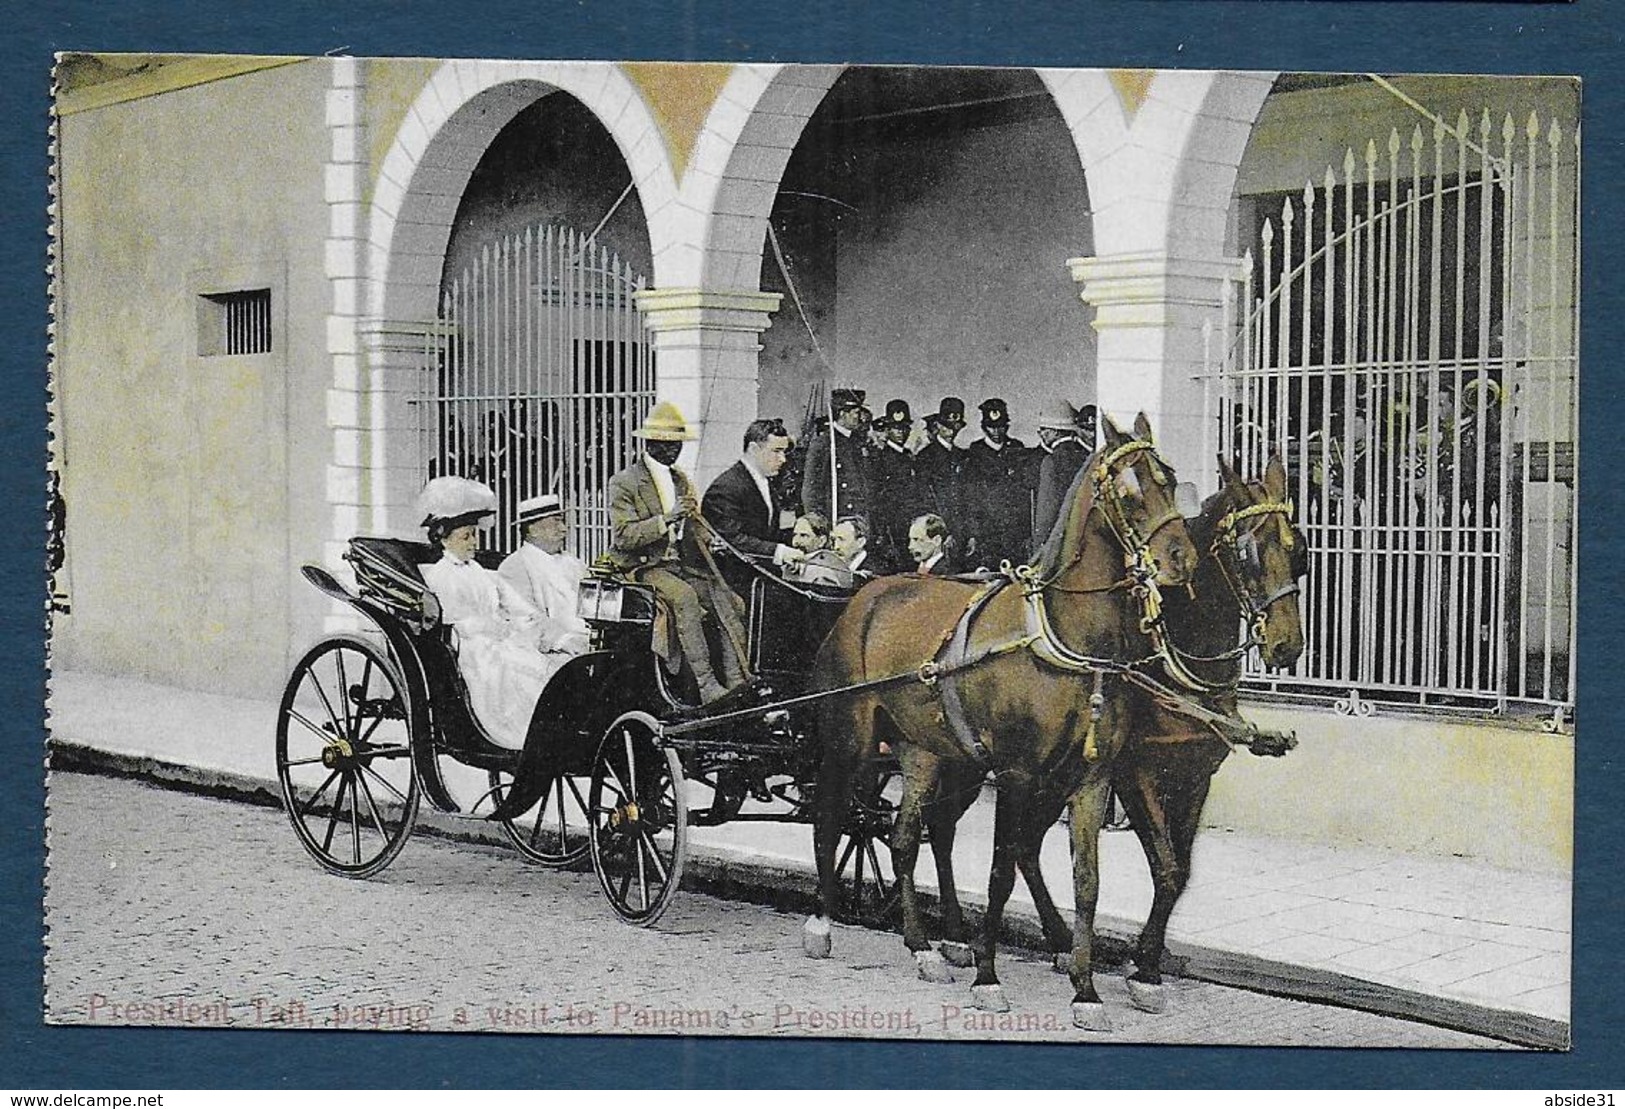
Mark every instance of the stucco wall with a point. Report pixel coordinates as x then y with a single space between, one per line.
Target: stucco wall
1499 793
189 500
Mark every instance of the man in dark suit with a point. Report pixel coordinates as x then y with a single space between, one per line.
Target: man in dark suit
1066 435
894 495
998 491
845 440
742 507
940 466
654 540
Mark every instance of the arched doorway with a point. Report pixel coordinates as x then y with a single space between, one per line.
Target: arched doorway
542 368
423 235
924 220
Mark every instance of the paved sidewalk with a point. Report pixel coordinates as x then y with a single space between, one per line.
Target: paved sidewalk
1444 940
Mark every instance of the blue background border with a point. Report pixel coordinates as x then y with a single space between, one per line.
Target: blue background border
1581 38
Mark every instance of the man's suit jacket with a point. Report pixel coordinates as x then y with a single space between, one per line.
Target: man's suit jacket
999 501
734 508
637 533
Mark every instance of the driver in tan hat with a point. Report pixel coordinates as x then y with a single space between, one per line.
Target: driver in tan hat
652 518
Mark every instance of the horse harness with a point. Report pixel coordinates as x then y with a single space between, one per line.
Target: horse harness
1236 552
952 657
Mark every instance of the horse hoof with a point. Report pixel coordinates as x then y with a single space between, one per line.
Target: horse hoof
1091 1016
990 998
1148 997
815 941
933 967
1062 963
958 954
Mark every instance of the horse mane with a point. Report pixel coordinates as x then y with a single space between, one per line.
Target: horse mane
1203 619
1205 524
1050 559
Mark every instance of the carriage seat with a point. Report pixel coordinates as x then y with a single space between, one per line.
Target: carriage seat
388 572
390 576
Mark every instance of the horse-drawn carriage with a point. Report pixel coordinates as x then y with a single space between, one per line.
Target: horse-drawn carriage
1061 679
617 763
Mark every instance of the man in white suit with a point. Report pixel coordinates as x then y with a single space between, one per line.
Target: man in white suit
548 576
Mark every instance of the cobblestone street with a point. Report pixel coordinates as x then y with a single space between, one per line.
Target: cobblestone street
170 908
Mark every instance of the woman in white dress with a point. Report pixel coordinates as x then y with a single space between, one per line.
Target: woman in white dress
496 632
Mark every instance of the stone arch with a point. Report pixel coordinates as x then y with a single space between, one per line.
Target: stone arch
1094 114
446 131
738 161
1160 178
1222 109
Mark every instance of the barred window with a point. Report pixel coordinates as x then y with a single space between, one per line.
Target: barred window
234 323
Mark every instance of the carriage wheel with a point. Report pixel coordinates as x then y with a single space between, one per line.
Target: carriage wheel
344 757
869 895
639 822
555 832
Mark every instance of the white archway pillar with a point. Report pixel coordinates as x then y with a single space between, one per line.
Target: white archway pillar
706 343
1161 171
1150 311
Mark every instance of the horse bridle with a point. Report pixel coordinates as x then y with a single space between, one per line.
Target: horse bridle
1110 499
1241 545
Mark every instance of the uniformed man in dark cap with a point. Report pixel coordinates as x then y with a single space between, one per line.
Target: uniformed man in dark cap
894 491
940 466
845 492
998 491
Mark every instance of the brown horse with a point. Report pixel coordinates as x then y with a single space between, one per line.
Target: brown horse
1248 576
1251 559
1023 681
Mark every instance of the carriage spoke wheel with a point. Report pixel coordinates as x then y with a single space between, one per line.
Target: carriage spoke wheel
555 831
869 894
639 823
344 757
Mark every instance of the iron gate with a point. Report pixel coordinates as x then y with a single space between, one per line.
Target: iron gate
1407 342
542 373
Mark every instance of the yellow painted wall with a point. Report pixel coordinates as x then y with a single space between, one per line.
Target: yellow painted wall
1499 793
680 95
189 496
1131 86
390 87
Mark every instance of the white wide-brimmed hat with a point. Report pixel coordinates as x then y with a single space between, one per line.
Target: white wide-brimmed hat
454 501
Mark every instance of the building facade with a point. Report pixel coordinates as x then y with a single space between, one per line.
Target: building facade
289 290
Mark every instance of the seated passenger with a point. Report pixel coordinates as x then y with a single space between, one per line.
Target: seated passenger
928 546
850 540
811 533
495 631
743 509
548 576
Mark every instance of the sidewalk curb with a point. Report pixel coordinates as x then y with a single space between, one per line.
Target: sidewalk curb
793 888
